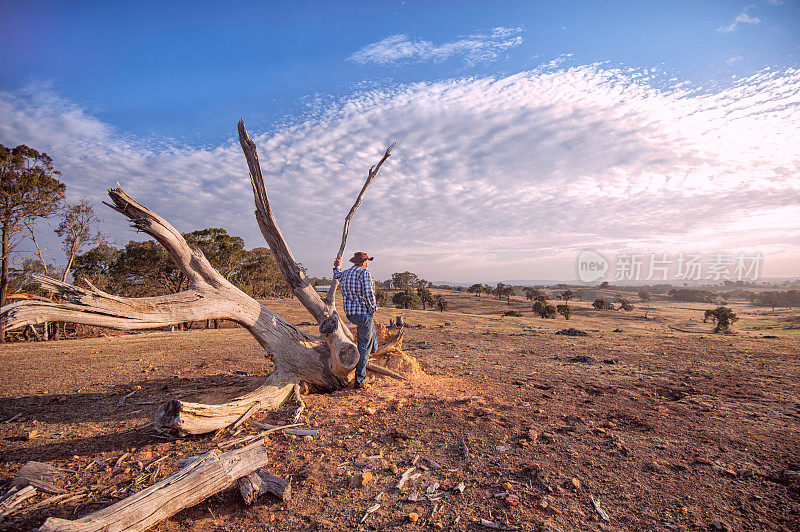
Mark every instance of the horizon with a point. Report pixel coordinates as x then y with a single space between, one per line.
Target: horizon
527 135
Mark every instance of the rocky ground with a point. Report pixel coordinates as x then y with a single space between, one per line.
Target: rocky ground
660 425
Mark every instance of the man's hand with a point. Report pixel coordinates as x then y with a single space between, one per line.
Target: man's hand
336 263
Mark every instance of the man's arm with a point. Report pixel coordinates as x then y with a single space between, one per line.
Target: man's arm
337 273
369 293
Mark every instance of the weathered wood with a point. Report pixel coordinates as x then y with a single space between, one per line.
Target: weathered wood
40 475
259 482
325 363
330 298
385 371
13 498
199 479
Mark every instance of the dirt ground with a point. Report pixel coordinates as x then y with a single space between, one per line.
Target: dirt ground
665 425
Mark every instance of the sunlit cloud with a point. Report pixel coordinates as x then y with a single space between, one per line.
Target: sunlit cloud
473 49
492 178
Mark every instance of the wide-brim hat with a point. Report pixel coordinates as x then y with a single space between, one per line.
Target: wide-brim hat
360 257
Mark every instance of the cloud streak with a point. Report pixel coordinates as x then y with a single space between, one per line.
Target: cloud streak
741 18
492 178
473 49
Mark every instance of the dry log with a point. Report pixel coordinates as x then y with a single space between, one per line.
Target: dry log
326 363
201 478
262 481
13 498
40 475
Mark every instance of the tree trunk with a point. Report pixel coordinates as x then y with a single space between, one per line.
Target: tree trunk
4 278
326 362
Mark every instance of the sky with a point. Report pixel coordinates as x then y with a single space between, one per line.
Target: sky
527 132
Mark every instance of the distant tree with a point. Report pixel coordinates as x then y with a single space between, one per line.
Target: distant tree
222 250
382 298
421 283
503 290
488 290
532 293
692 295
565 310
774 299
259 275
476 289
29 189
425 297
724 318
99 266
644 297
407 299
78 229
441 303
566 295
604 284
602 304
402 280
543 310
624 304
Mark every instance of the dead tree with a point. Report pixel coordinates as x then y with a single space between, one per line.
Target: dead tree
325 363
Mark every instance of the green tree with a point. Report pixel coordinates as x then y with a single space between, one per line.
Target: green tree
407 299
29 189
566 295
565 310
382 298
426 297
99 266
78 229
259 275
604 284
644 297
441 303
624 304
403 280
603 304
724 318
532 293
476 289
222 250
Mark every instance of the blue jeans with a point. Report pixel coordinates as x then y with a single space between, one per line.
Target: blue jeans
366 340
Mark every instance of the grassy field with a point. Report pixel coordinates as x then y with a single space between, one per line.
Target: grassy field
667 425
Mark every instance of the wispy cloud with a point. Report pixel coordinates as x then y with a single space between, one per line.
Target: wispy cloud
733 59
741 18
492 178
473 49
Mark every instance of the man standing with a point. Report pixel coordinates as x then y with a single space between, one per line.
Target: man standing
358 294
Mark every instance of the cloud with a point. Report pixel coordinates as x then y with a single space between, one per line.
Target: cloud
741 18
477 48
733 59
492 178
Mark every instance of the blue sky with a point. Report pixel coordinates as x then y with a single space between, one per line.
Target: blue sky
520 110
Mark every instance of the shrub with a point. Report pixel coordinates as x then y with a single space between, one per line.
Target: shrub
565 310
724 318
602 304
513 313
407 299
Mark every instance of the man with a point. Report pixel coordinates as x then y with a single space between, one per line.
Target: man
358 293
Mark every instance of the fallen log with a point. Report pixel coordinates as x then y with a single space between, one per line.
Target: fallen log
15 496
199 479
262 481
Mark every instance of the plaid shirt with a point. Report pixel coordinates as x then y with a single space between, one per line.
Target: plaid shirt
358 290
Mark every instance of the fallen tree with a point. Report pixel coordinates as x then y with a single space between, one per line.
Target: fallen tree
325 363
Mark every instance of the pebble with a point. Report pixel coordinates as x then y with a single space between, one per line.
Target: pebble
575 483
507 486
370 411
366 477
413 517
32 434
393 468
512 500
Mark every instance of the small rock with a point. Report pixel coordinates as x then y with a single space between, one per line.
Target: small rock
512 500
507 486
32 434
370 411
308 438
393 468
574 483
413 517
532 436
